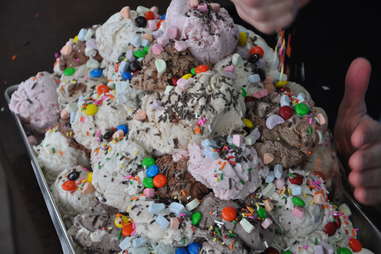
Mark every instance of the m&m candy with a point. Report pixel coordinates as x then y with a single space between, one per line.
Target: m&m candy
355 245
152 171
148 182
102 88
229 213
91 109
159 181
69 186
96 73
257 50
148 161
128 229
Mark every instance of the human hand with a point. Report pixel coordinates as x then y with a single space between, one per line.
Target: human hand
358 136
269 16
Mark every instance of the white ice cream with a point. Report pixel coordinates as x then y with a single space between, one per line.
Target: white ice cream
55 154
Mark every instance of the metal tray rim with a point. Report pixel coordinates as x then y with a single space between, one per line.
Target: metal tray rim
59 225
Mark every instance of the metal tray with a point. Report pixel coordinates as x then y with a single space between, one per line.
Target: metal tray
65 239
369 235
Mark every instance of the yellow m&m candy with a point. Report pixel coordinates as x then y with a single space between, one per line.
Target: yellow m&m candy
91 109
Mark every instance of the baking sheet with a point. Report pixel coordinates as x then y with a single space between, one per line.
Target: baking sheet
369 235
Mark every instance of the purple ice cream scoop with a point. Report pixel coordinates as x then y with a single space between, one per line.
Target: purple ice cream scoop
36 102
208 30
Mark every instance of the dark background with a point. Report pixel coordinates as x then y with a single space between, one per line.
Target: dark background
329 35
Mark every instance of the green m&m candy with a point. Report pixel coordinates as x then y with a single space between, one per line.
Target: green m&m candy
302 109
196 218
343 251
148 161
69 71
262 213
193 71
286 252
148 182
140 53
298 202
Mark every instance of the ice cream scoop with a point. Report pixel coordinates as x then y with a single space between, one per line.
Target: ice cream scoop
36 102
230 170
209 33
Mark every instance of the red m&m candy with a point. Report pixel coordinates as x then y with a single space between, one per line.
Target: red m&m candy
355 245
229 213
159 181
257 50
69 186
286 112
128 229
330 228
149 15
296 179
201 69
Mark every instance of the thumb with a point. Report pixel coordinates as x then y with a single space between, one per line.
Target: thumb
356 84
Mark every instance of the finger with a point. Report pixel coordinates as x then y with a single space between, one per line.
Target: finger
367 179
367 132
368 196
356 83
365 159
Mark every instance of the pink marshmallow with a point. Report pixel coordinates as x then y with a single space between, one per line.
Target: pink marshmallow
202 7
180 46
229 68
237 140
298 212
267 223
279 183
157 49
261 93
173 33
149 192
152 24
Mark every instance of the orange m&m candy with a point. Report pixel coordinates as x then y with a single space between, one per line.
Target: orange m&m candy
355 245
69 186
159 181
229 213
128 229
201 69
257 50
102 88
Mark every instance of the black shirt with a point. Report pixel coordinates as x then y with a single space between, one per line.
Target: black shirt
328 35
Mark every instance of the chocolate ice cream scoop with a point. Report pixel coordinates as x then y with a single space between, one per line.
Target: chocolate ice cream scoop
75 55
181 184
177 65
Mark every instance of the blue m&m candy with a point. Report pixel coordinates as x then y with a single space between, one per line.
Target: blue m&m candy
194 248
126 75
123 128
181 251
96 73
152 171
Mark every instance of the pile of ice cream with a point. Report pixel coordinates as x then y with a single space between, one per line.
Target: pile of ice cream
177 134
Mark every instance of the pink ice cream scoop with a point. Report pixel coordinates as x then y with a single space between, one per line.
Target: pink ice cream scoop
230 176
36 101
208 31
